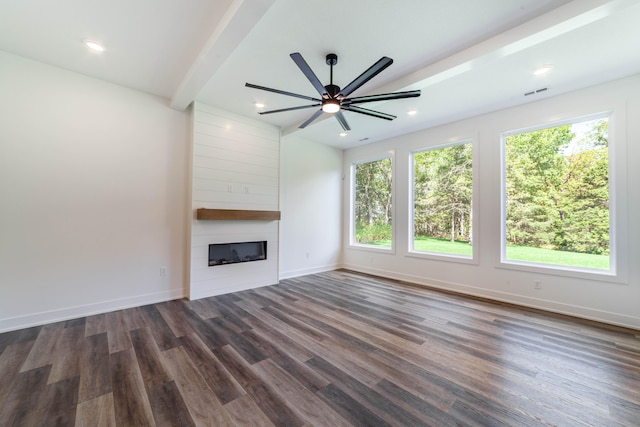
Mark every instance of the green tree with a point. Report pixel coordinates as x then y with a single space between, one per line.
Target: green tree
583 223
442 193
373 201
534 174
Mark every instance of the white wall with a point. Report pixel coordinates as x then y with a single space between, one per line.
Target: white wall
95 185
93 180
236 164
311 202
610 299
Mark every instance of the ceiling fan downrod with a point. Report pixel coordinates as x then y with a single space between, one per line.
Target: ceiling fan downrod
332 90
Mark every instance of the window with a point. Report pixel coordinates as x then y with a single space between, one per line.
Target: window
372 222
556 196
442 190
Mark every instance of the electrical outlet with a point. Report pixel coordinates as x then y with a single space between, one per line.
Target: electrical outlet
163 271
537 284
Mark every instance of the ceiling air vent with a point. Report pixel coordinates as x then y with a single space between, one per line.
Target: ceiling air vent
533 92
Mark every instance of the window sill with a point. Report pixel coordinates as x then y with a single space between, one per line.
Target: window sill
565 271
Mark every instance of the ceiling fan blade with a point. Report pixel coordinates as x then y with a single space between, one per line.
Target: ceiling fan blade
370 73
282 92
308 72
368 112
343 122
289 109
381 97
312 118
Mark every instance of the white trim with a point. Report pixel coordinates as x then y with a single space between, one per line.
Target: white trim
306 271
45 317
497 296
442 256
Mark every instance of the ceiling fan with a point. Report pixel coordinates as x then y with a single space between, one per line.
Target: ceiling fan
333 98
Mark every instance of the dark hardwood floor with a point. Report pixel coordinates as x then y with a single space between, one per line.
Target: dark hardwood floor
330 349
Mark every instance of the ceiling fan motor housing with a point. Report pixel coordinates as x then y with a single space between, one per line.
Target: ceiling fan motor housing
332 90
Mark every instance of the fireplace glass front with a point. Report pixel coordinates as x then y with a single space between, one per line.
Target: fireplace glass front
231 253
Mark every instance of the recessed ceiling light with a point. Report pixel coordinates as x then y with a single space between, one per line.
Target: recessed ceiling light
94 46
259 105
343 134
542 70
412 112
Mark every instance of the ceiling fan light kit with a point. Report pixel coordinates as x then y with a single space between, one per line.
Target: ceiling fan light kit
330 106
333 99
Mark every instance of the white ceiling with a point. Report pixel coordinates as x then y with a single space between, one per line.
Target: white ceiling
466 56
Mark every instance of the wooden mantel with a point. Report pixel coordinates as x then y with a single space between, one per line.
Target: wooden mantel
236 215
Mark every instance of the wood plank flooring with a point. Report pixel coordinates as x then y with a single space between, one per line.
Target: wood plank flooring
330 349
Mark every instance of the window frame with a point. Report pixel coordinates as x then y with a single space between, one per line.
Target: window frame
352 200
617 272
443 256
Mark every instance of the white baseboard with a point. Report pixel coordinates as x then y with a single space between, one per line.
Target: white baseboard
45 317
42 318
541 304
305 271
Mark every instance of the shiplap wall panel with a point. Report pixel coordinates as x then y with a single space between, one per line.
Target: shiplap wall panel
242 167
236 165
257 188
249 201
201 230
212 145
238 205
255 157
233 194
225 175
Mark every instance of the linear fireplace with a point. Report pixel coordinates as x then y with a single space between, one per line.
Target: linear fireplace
231 253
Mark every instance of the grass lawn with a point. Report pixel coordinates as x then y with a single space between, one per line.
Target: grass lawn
428 244
514 253
550 256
